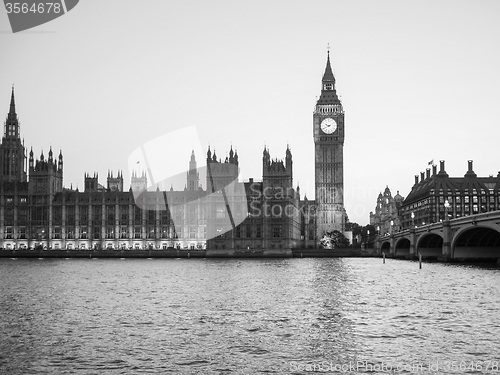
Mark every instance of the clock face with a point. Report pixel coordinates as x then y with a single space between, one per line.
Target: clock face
328 125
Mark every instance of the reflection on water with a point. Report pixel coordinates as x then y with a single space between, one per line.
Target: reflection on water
245 316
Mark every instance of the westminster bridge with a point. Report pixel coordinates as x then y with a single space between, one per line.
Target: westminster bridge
476 236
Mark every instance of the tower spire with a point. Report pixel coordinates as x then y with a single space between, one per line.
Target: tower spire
328 92
12 110
328 76
13 152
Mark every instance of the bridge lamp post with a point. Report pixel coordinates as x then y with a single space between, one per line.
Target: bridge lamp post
412 219
446 208
392 223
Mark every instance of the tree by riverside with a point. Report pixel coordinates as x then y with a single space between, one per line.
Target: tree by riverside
334 239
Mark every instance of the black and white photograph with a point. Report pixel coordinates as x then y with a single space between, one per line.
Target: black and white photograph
249 187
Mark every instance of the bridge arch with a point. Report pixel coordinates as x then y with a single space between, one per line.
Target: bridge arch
430 244
385 247
402 247
476 241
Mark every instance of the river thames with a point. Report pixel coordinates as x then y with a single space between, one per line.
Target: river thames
259 316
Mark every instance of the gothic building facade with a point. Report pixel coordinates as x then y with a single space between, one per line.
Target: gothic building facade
37 211
387 217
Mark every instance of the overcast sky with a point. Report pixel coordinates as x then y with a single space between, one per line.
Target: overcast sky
418 81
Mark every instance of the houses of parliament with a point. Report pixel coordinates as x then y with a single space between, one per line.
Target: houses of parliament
38 212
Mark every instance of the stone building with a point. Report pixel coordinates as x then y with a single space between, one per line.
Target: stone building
386 217
37 211
328 135
436 196
271 208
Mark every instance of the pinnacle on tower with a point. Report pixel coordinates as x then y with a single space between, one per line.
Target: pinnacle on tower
12 122
31 159
328 76
328 92
60 163
192 163
12 103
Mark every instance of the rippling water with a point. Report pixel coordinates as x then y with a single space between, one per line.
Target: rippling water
136 316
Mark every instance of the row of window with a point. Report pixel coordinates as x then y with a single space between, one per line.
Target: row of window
454 199
10 201
247 232
109 233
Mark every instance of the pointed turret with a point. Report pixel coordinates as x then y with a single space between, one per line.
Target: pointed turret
265 159
32 159
288 160
12 110
12 122
328 75
193 181
328 92
192 162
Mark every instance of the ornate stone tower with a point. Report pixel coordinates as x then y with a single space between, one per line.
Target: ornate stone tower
221 173
46 175
115 183
193 177
12 152
328 131
138 183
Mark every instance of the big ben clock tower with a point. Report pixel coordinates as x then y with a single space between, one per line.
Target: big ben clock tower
328 129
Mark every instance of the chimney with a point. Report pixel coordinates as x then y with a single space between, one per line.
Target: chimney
416 178
428 173
470 171
422 176
441 166
434 170
250 180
